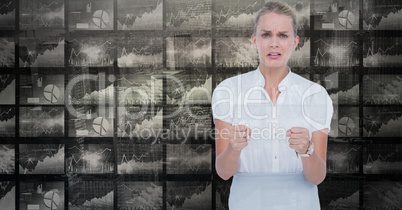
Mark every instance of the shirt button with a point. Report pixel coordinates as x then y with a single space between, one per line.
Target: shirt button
275 157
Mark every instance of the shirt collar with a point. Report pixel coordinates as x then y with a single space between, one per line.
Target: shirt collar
285 83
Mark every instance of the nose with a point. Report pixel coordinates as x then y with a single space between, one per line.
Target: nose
274 42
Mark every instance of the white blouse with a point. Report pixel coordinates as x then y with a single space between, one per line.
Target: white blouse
242 100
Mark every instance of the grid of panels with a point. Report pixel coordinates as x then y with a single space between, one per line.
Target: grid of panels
106 104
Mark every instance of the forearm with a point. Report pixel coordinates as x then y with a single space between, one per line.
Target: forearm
227 163
314 168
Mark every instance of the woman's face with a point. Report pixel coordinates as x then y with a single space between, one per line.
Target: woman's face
275 40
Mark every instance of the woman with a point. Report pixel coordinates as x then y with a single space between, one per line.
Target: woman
272 125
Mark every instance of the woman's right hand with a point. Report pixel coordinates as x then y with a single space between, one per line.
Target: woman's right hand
230 140
238 138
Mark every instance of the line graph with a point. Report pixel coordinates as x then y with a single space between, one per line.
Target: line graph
7 15
187 195
91 51
143 122
339 194
371 51
328 44
140 15
343 158
382 121
382 195
188 52
235 52
10 110
41 159
382 158
343 87
133 50
6 5
42 51
133 157
143 52
91 194
382 89
382 52
301 56
90 159
124 80
186 125
7 121
382 15
139 159
229 14
41 122
37 14
99 90
379 157
48 5
188 15
184 159
143 156
99 153
338 51
140 194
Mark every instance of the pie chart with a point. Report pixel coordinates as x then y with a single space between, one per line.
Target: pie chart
100 126
51 200
51 93
101 18
346 19
346 126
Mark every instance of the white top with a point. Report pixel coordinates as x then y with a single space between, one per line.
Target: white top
242 100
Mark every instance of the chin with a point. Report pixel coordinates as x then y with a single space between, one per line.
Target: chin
273 65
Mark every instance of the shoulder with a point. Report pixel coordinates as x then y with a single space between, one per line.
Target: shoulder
305 87
299 82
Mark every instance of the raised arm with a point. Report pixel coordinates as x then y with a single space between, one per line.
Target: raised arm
314 167
229 141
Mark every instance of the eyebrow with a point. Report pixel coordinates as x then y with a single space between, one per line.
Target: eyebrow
281 32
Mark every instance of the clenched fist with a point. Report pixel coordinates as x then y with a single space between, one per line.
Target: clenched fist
238 136
299 139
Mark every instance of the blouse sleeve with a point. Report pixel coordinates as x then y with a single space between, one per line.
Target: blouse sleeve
317 108
222 103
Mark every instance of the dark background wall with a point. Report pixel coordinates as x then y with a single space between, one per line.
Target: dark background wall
106 104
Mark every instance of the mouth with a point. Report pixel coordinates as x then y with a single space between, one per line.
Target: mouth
274 55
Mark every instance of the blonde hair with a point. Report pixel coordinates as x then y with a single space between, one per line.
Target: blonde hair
280 8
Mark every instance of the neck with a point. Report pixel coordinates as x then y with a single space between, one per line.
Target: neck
273 76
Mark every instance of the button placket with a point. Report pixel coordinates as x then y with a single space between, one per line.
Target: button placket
275 143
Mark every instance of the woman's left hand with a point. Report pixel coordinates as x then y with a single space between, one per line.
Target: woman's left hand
299 138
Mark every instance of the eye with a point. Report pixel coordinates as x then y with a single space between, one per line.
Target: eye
284 36
265 35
